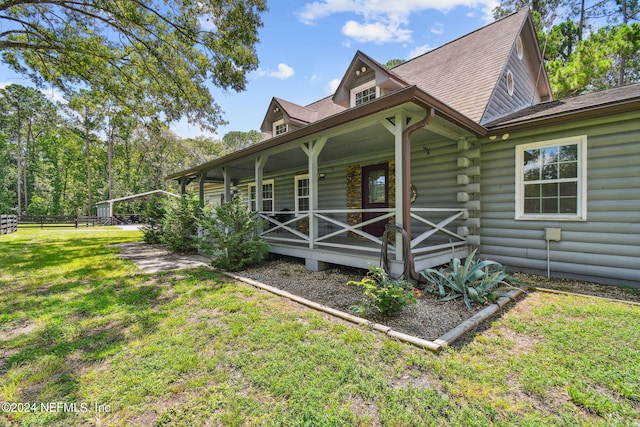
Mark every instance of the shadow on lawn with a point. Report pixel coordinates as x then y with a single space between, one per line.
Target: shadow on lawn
85 324
19 255
95 322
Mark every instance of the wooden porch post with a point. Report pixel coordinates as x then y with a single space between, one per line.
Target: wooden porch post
183 185
201 180
398 131
227 185
313 150
260 163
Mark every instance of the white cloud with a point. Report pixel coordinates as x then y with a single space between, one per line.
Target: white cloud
53 95
383 20
419 50
206 23
283 73
437 28
376 32
332 86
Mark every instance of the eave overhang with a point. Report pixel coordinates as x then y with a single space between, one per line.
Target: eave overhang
409 94
591 112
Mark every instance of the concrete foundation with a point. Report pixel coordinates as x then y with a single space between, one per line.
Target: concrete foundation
315 265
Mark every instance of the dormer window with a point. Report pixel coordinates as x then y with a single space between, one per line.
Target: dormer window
280 127
364 93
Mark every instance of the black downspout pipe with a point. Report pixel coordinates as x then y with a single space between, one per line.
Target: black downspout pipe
406 183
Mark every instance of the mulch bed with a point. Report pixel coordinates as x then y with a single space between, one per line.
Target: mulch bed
428 319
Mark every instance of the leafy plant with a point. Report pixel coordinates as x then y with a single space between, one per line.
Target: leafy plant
387 296
472 281
231 237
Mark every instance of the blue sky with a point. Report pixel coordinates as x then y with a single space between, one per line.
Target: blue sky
305 48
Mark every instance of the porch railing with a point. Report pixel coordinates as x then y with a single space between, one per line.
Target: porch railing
333 229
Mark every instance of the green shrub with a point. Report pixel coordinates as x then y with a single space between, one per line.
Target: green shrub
386 296
180 224
472 281
154 213
231 236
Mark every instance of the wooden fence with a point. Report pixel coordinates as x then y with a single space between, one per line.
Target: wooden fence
59 221
8 224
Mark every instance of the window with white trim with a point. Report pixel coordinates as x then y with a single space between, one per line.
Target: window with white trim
364 93
280 127
551 180
302 192
268 196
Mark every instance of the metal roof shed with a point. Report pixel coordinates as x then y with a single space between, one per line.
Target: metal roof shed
105 207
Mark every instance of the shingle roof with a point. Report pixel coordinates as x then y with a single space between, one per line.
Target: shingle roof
464 72
587 102
298 112
461 74
325 107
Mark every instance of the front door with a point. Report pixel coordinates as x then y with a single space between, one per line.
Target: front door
375 195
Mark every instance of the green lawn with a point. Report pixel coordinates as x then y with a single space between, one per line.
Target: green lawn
85 339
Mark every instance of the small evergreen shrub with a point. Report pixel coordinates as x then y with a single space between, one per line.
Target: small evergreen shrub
180 224
154 214
474 281
385 295
231 237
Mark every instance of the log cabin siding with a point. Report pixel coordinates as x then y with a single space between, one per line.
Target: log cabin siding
604 248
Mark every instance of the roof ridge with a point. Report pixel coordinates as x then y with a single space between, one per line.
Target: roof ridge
511 15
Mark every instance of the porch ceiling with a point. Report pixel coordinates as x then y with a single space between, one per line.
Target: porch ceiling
349 141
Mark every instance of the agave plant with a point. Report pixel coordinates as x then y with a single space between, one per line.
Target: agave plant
473 280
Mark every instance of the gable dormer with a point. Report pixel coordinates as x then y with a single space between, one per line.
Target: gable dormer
284 116
523 81
364 81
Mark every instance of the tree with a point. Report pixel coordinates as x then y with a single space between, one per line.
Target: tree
153 56
394 63
237 140
610 57
26 116
578 58
89 118
544 12
7 196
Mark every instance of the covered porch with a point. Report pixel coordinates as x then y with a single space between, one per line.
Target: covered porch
326 191
341 243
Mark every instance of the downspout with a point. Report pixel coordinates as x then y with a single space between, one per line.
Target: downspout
406 190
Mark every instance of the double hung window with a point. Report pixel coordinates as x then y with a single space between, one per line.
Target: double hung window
268 196
551 180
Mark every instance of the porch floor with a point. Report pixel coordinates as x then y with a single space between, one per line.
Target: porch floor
363 253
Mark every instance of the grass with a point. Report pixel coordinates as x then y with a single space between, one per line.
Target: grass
80 326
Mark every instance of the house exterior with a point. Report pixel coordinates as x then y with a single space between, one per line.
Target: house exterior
458 149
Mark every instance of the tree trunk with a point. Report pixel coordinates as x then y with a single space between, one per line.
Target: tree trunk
19 172
623 59
25 164
110 159
88 153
